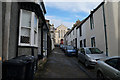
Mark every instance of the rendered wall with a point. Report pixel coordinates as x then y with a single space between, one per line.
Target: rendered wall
118 28
14 25
111 12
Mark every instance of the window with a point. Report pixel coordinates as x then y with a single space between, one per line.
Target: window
91 22
58 41
81 43
64 32
73 32
70 47
28 33
80 30
115 62
93 51
35 29
84 42
59 33
93 42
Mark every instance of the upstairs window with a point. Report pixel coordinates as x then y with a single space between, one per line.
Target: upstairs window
59 33
73 32
91 22
80 30
28 33
64 32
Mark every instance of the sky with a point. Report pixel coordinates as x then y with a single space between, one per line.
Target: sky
67 12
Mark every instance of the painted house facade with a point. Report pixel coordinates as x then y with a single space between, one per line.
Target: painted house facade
22 30
72 35
100 29
52 34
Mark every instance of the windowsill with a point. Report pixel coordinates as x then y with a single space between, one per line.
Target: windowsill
27 45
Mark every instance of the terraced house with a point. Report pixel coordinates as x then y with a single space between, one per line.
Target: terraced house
24 30
70 38
100 29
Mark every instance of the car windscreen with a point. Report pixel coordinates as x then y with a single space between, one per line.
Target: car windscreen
118 64
93 51
70 47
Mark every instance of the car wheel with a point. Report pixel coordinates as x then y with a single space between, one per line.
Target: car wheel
100 76
86 64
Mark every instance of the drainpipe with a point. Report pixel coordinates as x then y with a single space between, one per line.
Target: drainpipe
6 31
42 41
106 42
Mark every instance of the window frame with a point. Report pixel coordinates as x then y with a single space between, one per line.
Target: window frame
32 30
80 30
91 22
107 62
59 33
73 31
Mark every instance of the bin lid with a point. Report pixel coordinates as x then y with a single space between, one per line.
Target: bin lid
26 58
14 62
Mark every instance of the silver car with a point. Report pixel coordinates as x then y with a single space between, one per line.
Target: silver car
108 68
90 55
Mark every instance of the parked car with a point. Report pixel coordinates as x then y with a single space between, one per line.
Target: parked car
90 55
64 48
108 68
70 51
57 45
61 46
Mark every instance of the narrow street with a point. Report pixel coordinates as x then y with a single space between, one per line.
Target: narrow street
61 66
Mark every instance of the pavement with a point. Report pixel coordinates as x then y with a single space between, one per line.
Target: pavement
60 66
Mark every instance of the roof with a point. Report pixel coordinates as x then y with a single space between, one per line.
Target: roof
91 13
67 33
74 26
61 25
43 6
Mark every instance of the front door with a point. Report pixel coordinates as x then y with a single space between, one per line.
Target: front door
76 42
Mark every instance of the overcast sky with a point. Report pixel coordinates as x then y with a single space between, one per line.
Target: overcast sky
66 12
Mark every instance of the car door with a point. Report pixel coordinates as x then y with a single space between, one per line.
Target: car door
110 70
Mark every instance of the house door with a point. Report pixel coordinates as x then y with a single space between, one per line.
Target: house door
76 42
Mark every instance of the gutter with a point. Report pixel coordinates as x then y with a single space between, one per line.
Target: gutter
106 42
